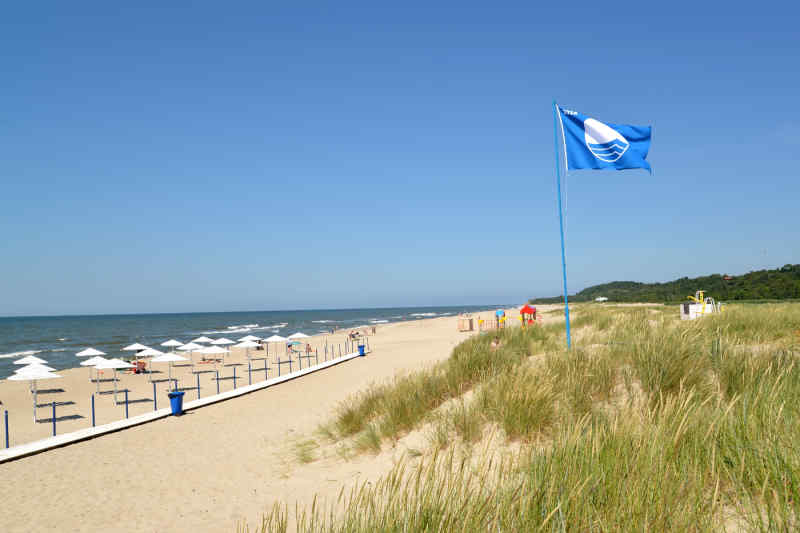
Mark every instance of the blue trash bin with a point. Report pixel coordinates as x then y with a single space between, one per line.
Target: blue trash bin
361 350
176 402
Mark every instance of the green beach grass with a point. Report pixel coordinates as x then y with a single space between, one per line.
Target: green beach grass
647 424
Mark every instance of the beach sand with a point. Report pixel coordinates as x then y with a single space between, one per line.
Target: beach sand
215 466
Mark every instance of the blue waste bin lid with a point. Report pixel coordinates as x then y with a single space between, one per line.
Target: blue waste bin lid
176 393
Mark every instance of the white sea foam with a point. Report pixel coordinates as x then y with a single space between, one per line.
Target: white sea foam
379 321
244 328
63 339
422 314
323 321
19 354
59 349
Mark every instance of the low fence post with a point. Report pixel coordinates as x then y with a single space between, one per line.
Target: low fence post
93 419
217 373
249 373
126 403
316 355
6 417
54 419
198 386
266 372
155 401
234 378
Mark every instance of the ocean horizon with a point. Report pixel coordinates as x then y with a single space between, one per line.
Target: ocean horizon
57 338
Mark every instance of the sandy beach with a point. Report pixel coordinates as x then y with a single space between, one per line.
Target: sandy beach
213 467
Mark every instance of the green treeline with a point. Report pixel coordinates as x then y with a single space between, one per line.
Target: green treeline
778 284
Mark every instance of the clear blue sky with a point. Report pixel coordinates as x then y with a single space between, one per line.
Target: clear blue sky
253 156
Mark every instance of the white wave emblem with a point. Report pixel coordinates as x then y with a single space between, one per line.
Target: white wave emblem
604 142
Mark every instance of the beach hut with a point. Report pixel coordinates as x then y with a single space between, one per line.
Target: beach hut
528 314
33 375
113 364
168 358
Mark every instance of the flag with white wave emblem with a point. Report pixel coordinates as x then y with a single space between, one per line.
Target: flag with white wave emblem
589 143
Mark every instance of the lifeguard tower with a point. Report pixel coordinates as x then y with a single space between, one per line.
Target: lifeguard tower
700 305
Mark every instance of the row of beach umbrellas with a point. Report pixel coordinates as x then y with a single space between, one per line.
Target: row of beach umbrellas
35 369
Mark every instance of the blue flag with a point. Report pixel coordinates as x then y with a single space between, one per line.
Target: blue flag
589 143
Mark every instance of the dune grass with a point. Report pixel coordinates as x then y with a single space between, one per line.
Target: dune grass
392 409
664 426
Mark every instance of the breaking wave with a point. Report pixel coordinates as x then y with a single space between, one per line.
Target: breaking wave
19 354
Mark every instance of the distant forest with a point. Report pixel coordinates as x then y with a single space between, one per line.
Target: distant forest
779 284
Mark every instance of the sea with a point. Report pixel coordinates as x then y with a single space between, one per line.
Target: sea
57 339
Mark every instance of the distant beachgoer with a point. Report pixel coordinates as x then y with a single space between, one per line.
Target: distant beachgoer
495 343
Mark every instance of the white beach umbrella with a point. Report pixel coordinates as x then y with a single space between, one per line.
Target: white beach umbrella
89 352
33 375
168 358
91 362
213 350
275 338
249 338
114 364
191 348
223 342
134 347
204 340
149 352
35 366
29 359
246 345
299 335
172 343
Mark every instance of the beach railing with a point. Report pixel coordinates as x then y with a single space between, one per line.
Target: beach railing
329 353
284 361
